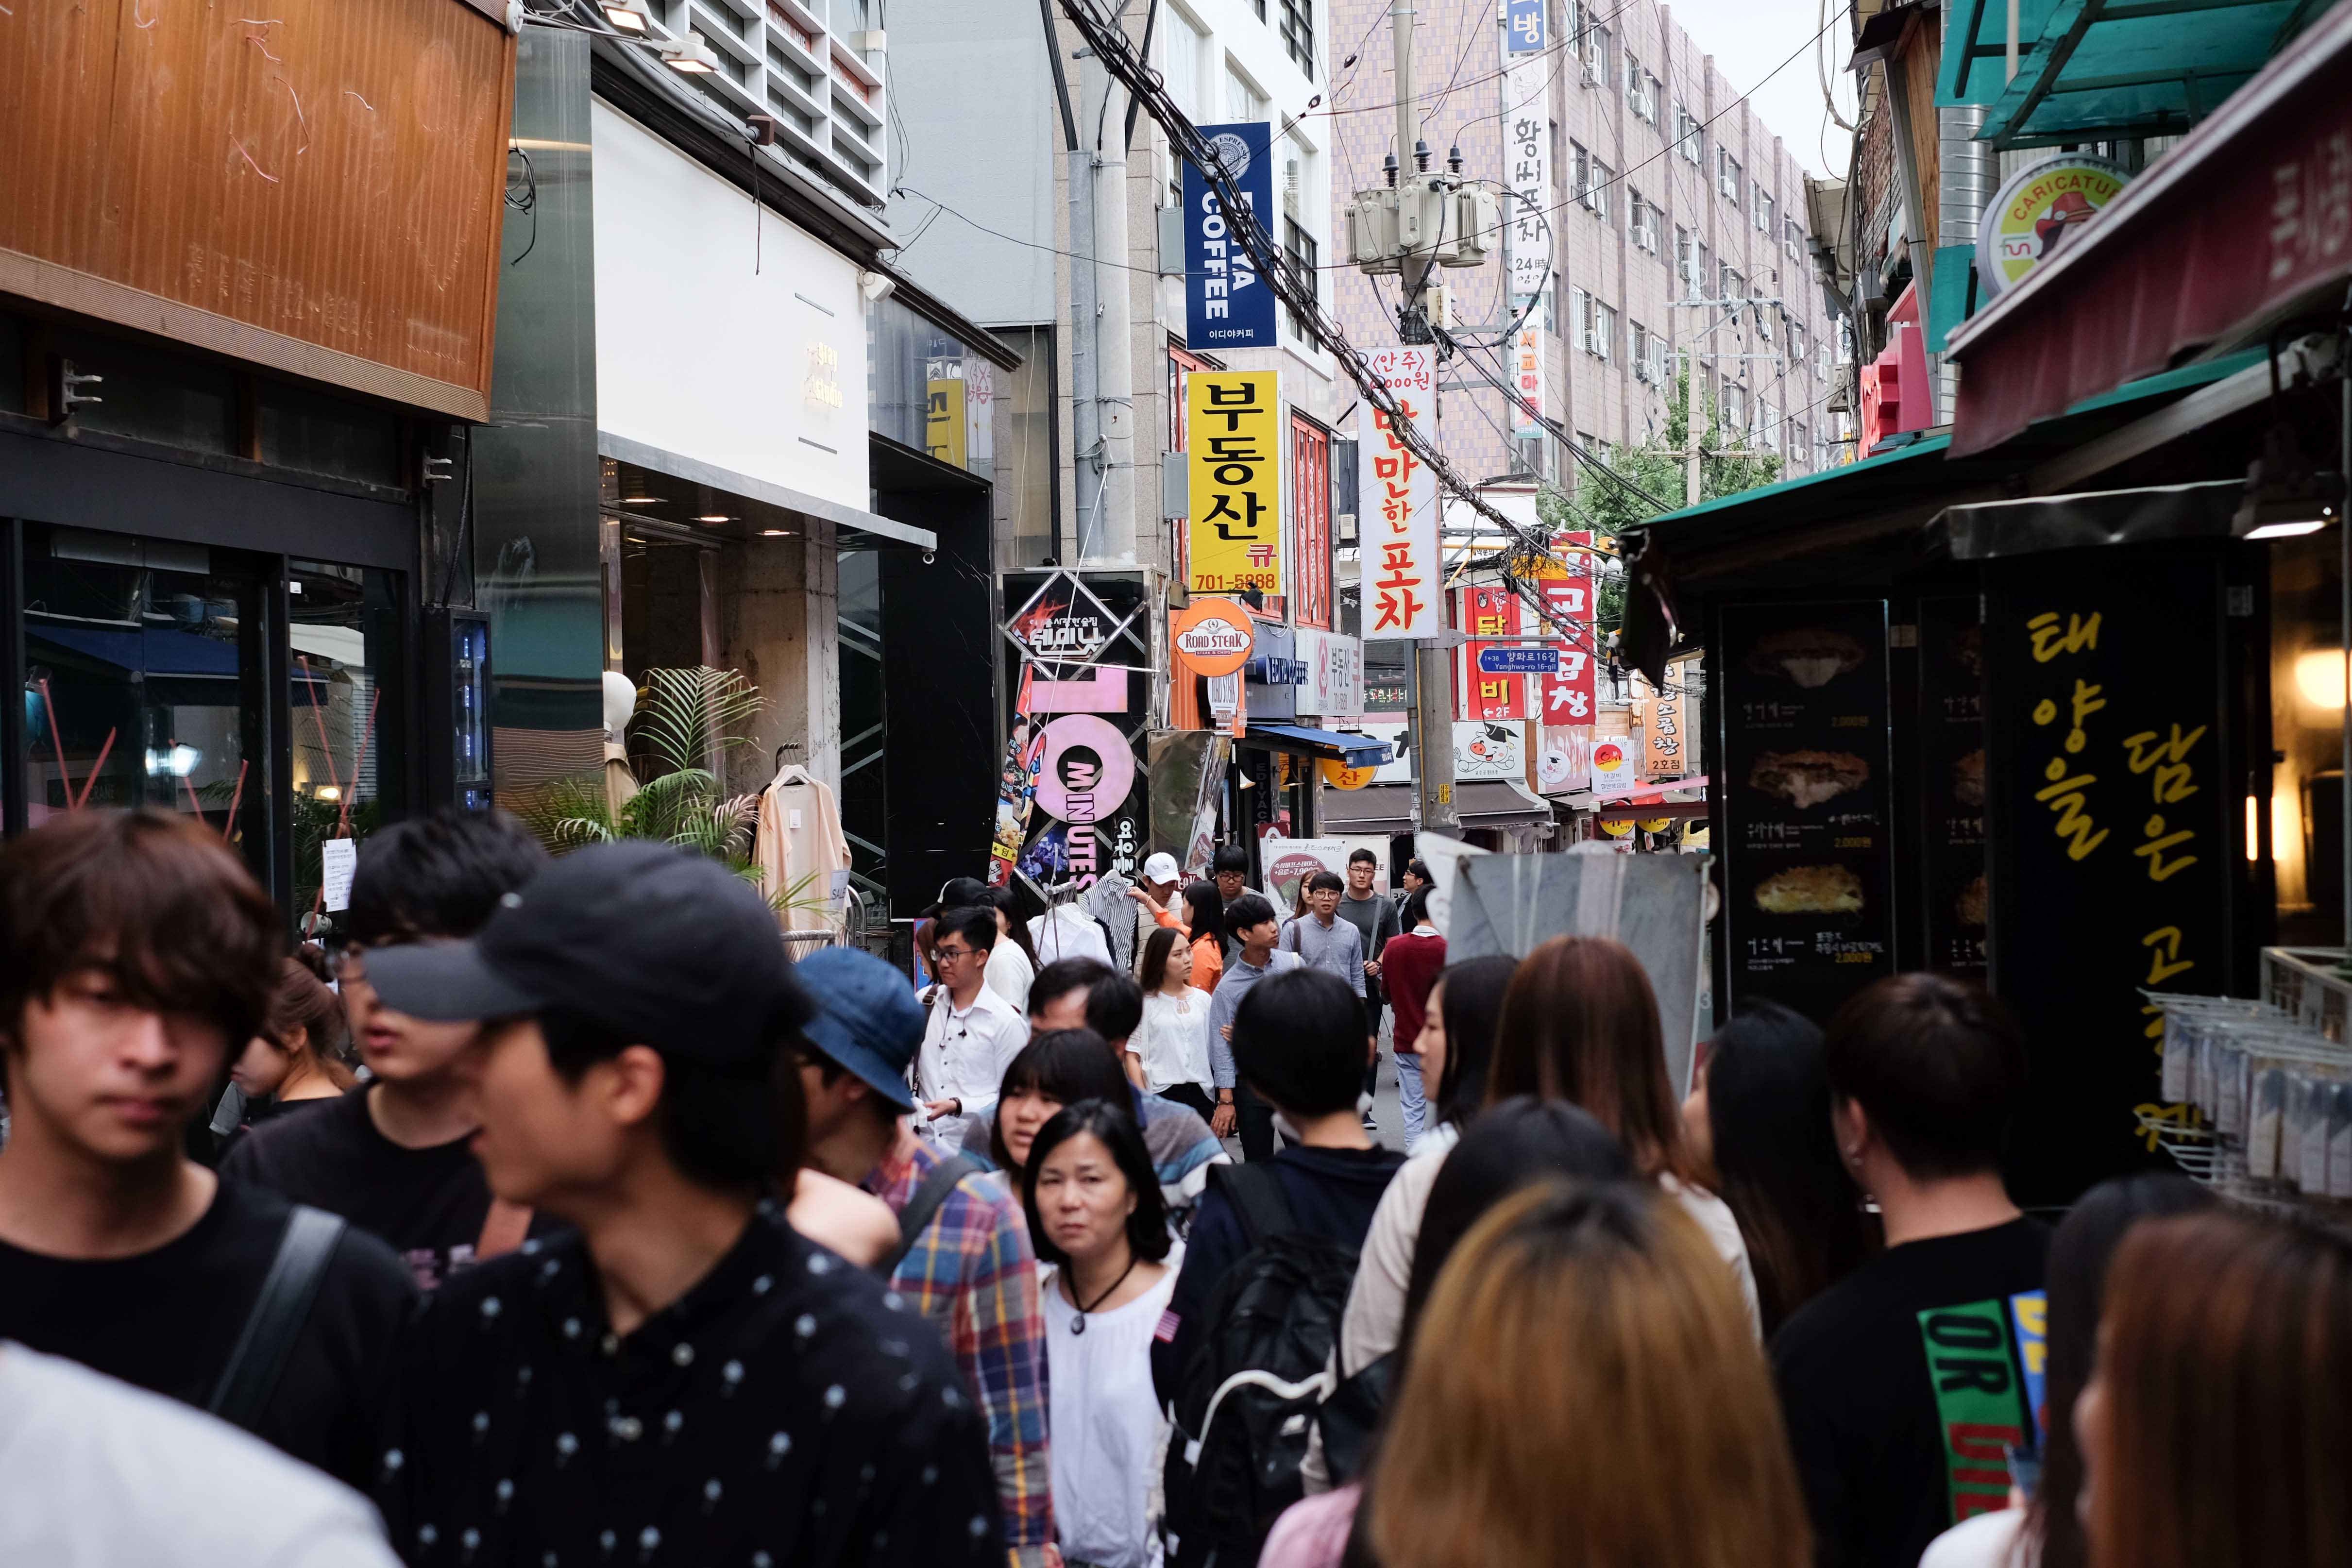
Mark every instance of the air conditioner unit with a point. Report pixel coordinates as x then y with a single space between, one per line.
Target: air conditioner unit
1642 371
1593 344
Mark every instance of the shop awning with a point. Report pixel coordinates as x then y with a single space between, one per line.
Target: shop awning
2037 523
762 503
2101 68
1387 808
2242 226
1354 750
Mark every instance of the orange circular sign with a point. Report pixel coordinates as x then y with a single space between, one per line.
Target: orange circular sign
1213 636
1340 776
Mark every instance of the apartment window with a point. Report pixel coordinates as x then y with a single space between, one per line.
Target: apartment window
1797 343
1298 32
1646 348
1763 212
1644 217
1734 409
1704 278
1641 90
1597 194
1686 261
1242 102
1180 61
1591 180
1727 176
1596 53
1579 311
1795 239
1764 314
1298 249
1689 135
1800 443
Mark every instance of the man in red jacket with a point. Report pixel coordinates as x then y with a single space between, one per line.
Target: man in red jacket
1410 966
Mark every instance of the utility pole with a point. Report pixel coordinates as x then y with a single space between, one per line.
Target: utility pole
1085 320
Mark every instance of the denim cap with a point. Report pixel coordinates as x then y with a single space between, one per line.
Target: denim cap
868 1019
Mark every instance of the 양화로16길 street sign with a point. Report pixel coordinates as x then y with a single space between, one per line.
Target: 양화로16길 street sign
1518 661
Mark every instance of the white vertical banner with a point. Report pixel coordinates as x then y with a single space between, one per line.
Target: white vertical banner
1527 144
1396 506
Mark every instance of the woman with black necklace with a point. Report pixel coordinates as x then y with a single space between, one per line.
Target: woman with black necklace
1100 1228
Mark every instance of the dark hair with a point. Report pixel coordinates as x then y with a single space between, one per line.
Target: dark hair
1249 909
1519 1141
440 874
1115 1007
1230 857
151 900
1204 911
1007 903
2076 1288
1416 908
1326 882
1362 857
725 1129
1298 1040
1062 975
303 1005
1420 868
1147 1227
1471 1008
1580 1024
1156 948
973 922
1768 1110
1936 1066
1063 1064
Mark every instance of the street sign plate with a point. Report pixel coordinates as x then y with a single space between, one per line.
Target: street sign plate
1518 661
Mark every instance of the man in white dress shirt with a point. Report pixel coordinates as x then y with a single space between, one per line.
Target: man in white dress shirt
971 1036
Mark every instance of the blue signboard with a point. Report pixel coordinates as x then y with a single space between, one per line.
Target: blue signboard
1226 304
1523 23
1518 661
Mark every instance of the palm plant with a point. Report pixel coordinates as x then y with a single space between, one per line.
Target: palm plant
691 721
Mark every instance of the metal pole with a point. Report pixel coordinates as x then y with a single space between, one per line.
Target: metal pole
1086 327
1408 131
1690 426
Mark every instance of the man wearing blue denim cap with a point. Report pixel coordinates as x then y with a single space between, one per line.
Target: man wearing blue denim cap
963 1258
682 1371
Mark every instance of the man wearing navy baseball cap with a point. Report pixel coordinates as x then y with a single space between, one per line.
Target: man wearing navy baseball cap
963 1258
683 1371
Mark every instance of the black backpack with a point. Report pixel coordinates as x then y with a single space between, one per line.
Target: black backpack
1247 1392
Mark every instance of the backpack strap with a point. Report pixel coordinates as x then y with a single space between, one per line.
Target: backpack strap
924 1206
1256 1195
304 1251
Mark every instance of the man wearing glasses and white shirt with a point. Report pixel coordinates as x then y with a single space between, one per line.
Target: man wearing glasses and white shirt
971 1036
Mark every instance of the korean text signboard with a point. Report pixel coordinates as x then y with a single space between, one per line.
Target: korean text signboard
1233 441
1666 753
1527 368
1226 304
1566 585
1396 496
1491 611
1808 893
1527 144
1952 784
2112 789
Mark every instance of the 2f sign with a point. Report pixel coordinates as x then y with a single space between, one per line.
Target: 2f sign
1226 304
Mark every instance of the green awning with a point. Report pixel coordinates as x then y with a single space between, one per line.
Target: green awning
2100 70
1976 48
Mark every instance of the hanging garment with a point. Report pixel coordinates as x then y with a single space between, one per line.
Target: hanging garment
801 849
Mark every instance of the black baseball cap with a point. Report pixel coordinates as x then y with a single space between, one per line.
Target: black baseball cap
959 893
665 946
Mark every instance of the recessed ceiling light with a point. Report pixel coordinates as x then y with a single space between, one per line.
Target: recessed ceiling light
773 533
641 500
714 517
2288 530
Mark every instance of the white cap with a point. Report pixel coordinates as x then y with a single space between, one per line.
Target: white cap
1162 867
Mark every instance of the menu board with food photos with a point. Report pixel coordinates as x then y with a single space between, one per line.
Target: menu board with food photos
1808 893
1952 784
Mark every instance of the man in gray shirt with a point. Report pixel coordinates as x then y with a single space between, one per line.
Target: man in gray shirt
1324 941
1251 924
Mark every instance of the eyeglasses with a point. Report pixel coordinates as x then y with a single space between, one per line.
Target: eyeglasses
948 954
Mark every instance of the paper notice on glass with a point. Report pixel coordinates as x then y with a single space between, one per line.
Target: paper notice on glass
337 858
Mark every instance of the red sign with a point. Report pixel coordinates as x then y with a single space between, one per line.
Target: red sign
1567 698
1489 612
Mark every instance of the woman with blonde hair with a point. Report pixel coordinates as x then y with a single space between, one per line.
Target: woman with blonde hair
1580 1024
1617 1410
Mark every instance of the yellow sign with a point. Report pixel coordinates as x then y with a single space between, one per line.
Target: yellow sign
943 421
1233 435
1340 776
2036 209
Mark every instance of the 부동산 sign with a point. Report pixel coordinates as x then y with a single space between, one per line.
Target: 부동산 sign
1226 304
1232 442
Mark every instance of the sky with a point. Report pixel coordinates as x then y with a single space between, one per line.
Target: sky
1749 37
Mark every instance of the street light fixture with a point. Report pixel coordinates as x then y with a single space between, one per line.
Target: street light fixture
624 17
690 56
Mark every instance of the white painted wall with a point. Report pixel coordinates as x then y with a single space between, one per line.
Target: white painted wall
760 372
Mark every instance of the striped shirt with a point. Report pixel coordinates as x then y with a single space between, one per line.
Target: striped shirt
972 1273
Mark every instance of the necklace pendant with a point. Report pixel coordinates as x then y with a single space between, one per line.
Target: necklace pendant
1079 1324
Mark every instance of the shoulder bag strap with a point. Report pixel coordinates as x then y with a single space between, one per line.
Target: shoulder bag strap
924 1206
1256 1193
251 1375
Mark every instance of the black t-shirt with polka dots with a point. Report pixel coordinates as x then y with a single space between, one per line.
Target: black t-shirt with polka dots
786 1410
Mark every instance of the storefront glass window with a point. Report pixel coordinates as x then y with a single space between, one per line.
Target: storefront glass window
1024 449
343 626
141 664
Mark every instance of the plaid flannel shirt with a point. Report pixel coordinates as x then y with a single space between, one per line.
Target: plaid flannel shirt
972 1272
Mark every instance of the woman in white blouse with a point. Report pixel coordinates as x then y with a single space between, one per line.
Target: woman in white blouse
1101 1231
1173 1042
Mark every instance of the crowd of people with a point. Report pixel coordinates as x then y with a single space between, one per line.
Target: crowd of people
613 1236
